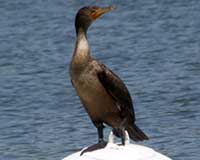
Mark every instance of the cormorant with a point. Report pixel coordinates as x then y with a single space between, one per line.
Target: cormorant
103 94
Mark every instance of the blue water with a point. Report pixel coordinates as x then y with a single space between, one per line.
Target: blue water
154 46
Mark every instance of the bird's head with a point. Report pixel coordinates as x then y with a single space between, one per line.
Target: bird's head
87 15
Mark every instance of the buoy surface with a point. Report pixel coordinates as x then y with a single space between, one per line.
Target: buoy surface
119 152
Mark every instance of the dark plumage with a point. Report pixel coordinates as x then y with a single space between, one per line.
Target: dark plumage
103 94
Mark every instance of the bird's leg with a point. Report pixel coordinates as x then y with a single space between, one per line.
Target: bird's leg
123 136
119 130
100 133
122 127
101 143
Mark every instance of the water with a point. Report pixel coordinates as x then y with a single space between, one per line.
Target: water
154 46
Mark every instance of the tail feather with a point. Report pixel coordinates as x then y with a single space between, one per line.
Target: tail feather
136 134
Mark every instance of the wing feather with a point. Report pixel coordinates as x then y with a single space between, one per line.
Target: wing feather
117 90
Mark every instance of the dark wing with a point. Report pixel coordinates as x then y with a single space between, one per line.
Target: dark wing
117 90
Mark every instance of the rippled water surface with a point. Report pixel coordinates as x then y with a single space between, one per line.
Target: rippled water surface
154 46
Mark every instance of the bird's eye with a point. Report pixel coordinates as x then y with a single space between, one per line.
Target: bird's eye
92 11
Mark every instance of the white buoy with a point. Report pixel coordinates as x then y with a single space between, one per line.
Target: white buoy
119 152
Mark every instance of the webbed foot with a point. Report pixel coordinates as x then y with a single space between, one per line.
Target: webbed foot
94 147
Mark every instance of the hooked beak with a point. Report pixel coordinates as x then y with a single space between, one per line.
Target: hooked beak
102 11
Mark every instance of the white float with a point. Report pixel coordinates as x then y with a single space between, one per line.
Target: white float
114 151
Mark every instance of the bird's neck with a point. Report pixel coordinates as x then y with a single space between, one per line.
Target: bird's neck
82 51
82 43
81 54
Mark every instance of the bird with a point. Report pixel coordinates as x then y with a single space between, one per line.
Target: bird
103 94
